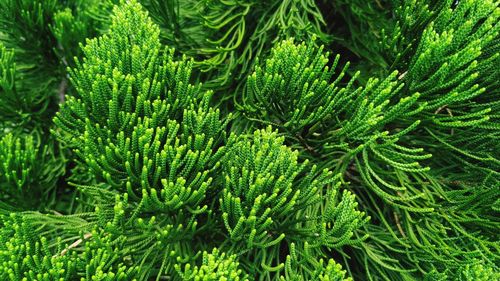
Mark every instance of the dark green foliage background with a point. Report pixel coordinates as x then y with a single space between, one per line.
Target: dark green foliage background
249 140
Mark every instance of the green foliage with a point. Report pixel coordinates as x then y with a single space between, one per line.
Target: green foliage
342 123
377 135
223 37
229 40
24 256
468 272
158 148
28 173
316 269
215 266
222 140
268 197
151 134
454 52
20 105
25 25
37 40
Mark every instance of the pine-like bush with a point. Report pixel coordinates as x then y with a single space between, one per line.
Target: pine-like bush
249 140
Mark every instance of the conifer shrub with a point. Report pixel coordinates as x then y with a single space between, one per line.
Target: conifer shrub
249 140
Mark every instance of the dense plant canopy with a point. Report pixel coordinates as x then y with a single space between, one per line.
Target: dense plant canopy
249 140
